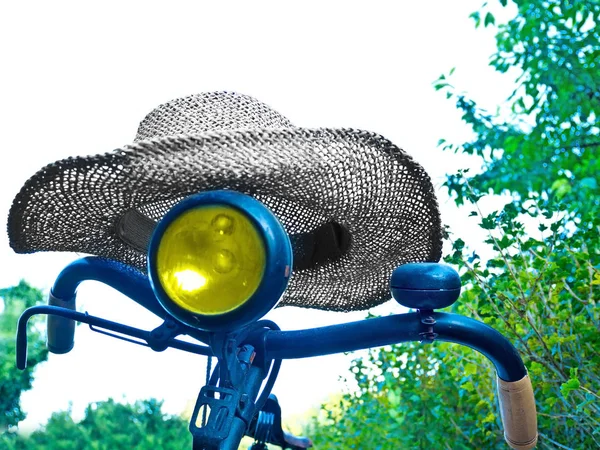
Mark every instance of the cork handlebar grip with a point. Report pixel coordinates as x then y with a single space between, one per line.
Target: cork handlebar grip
519 416
61 331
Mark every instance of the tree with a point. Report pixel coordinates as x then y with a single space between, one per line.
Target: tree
540 287
109 426
409 397
543 293
13 381
549 141
106 425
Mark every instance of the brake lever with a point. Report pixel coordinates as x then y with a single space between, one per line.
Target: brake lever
158 339
99 330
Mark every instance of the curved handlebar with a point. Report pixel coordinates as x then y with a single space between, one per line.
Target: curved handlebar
119 276
123 278
394 329
515 391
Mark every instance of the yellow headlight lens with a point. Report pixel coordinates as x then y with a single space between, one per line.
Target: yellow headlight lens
210 260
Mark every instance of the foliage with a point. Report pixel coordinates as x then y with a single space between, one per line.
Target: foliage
12 381
402 404
544 295
540 287
548 141
108 426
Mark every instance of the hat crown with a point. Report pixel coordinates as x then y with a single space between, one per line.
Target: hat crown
215 111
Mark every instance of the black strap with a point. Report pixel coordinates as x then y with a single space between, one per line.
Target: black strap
135 229
324 244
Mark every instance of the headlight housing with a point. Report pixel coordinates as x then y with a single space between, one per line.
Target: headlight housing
219 260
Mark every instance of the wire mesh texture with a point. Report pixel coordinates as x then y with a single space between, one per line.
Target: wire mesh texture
223 140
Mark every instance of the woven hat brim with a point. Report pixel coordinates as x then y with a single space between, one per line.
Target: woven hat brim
307 177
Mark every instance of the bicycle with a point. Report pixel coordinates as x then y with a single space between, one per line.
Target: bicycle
217 262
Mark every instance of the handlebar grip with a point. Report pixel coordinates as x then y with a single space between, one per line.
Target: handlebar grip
61 331
519 416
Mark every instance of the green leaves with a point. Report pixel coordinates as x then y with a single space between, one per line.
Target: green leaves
106 425
488 222
441 83
111 426
543 294
406 388
14 382
476 16
470 369
489 19
570 385
554 106
561 188
589 183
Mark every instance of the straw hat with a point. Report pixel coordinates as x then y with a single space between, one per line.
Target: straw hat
355 205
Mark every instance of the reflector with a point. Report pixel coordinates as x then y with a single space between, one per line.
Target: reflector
211 259
219 260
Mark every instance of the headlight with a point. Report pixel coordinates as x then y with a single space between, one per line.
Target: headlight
219 260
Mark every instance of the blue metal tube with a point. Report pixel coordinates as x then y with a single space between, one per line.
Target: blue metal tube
119 276
395 329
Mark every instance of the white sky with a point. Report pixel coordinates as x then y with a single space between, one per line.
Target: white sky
76 79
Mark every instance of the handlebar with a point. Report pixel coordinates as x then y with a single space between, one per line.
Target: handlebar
515 391
119 276
381 331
